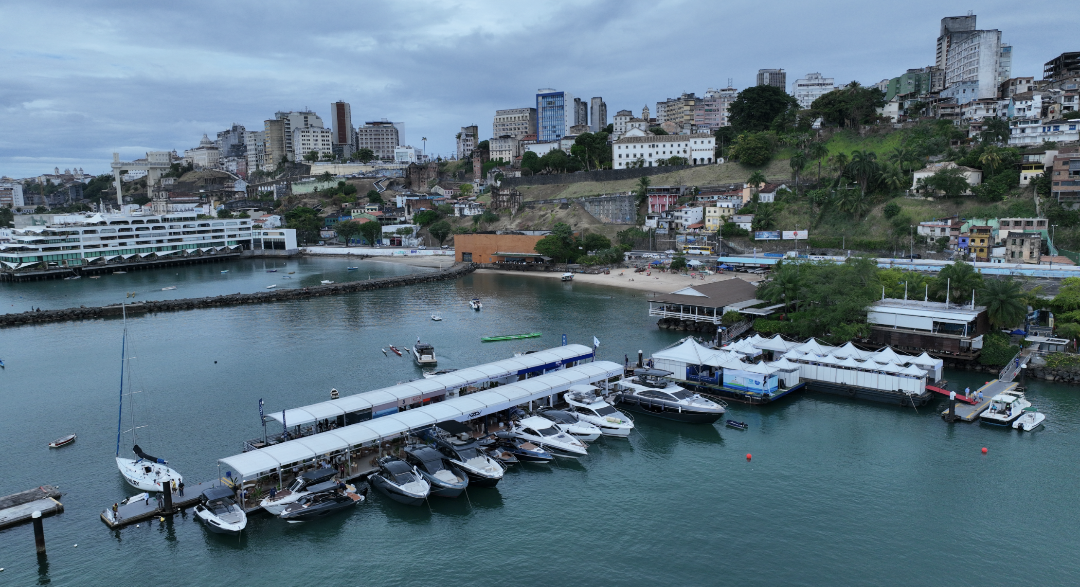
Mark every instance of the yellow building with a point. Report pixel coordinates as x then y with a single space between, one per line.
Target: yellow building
717 214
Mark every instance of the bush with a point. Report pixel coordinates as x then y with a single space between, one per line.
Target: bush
1063 361
996 350
731 317
891 209
730 229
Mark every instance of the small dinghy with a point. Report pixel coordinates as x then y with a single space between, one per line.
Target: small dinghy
326 282
436 317
271 286
170 288
1029 420
395 350
737 425
62 441
351 268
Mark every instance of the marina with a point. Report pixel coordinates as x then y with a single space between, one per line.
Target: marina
18 508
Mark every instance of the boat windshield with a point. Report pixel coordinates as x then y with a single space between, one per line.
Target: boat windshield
681 394
549 431
297 485
607 411
467 453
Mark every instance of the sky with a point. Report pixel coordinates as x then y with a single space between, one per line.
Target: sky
82 80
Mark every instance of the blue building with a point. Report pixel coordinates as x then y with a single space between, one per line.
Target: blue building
554 114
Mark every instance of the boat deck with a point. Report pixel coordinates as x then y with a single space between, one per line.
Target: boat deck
19 507
970 413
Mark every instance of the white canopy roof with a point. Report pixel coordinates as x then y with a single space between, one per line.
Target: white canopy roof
795 355
813 346
913 371
925 360
253 463
888 368
851 363
776 343
743 346
784 365
887 355
760 368
849 350
692 353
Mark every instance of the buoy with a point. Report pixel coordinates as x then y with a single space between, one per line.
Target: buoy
215 362
76 546
161 519
748 456
984 450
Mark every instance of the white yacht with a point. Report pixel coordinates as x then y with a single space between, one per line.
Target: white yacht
220 513
543 433
591 407
1004 408
90 240
570 423
424 354
650 391
475 304
306 483
1029 420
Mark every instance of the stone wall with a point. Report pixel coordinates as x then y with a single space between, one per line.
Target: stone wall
92 313
598 175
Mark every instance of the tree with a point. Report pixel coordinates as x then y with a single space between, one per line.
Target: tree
864 167
595 242
840 162
891 210
348 229
559 245
797 163
592 150
531 161
306 222
753 148
642 189
630 236
223 213
817 151
371 230
958 281
850 106
755 108
426 217
404 231
756 179
950 181
893 178
990 159
465 190
365 155
678 263
764 217
440 230
1004 301
995 131
311 156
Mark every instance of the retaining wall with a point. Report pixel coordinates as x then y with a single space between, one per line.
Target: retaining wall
598 175
84 313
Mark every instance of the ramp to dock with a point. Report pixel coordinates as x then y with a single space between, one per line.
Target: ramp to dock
970 413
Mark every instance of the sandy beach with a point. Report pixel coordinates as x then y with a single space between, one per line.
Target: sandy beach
658 282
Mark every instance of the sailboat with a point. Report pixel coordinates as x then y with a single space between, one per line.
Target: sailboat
147 473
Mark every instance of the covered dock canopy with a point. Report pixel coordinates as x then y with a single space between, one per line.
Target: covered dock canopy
274 458
404 394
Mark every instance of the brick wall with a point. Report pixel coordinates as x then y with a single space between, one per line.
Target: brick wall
482 247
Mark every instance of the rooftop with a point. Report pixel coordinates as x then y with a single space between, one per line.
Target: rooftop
713 295
927 308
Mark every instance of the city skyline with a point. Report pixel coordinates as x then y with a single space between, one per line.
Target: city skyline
80 85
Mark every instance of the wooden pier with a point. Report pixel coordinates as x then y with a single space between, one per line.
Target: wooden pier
970 412
140 511
19 507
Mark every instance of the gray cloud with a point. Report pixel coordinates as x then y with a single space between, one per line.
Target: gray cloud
83 79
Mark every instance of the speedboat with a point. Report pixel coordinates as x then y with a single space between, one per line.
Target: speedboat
545 434
62 441
1004 408
400 481
436 317
445 481
650 391
567 277
523 450
475 304
454 442
1029 420
225 271
306 483
737 425
351 268
321 503
501 455
326 282
170 288
430 374
271 270
424 354
147 473
569 422
591 408
271 286
219 512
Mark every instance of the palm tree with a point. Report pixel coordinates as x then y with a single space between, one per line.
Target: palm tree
643 188
864 165
1004 301
798 163
764 217
756 179
894 178
817 151
990 159
901 155
960 279
784 286
840 163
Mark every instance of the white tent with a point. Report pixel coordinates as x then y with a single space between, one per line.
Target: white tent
887 355
743 347
677 358
849 350
813 346
932 366
795 355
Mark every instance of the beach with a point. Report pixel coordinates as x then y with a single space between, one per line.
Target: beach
659 282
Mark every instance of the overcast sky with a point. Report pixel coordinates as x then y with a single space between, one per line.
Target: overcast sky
81 80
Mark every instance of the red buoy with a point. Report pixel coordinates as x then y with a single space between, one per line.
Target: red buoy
984 450
748 456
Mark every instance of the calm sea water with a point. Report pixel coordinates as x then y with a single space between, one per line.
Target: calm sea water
838 491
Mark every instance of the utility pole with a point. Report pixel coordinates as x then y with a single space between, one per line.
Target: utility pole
911 242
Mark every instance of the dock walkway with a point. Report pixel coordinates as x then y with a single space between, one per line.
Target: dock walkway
19 507
140 511
970 413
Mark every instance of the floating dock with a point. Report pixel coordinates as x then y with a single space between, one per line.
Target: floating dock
970 413
19 507
140 511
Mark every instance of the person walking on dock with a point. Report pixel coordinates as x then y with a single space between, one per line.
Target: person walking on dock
967 392
181 488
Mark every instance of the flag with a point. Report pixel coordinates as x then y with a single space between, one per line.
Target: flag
595 342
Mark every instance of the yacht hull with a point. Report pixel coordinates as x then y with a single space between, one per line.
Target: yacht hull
394 492
669 413
136 474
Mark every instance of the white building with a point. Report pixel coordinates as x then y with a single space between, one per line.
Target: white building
618 122
973 176
313 138
743 221
810 88
292 121
11 194
254 141
698 149
1036 132
206 155
514 122
687 216
975 56
506 148
407 155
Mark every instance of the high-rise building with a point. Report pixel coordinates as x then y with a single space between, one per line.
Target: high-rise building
514 122
466 141
974 59
344 133
1063 66
581 112
274 143
597 114
231 142
294 120
555 114
677 110
952 25
711 112
772 77
255 147
380 136
811 87
313 139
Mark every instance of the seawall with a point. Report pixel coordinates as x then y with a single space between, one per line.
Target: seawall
237 299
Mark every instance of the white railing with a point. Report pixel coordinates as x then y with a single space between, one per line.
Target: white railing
686 316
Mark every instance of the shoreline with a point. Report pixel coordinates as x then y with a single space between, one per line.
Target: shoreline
626 279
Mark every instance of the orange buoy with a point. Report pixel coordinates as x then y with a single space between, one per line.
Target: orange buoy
984 450
748 456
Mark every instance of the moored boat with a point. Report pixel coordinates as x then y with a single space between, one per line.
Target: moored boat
543 433
62 441
567 277
322 503
219 512
590 407
737 425
523 450
306 483
400 481
570 423
1029 420
395 350
446 481
1004 408
436 317
510 337
650 391
453 441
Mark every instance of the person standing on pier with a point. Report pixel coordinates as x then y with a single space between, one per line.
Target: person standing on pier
181 488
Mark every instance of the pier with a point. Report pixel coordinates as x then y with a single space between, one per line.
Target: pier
971 412
142 510
18 508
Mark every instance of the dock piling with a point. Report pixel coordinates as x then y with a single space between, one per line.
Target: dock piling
39 532
167 509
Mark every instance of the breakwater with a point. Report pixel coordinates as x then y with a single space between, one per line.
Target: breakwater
237 299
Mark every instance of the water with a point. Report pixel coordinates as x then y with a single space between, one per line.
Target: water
838 491
192 281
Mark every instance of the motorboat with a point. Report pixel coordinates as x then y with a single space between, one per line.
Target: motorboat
271 270
219 512
400 481
424 354
436 317
567 277
318 504
430 374
271 286
503 456
545 434
62 441
523 450
475 304
1004 408
306 483
590 407
223 272
737 425
1029 420
650 391
170 288
454 441
395 350
569 422
326 282
352 268
445 481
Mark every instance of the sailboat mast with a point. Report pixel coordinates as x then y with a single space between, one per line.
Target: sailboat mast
123 357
